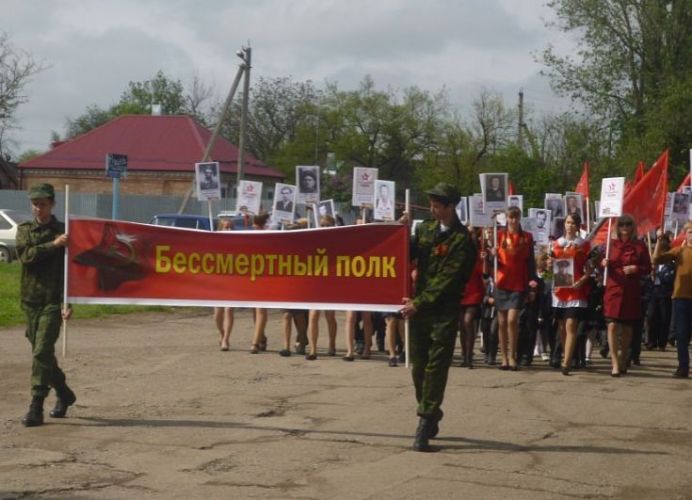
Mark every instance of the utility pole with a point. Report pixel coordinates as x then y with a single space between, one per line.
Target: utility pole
247 63
520 128
216 131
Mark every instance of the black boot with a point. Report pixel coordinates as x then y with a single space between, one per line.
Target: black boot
421 441
35 416
66 398
435 424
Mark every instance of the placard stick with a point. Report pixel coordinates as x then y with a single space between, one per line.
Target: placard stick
407 207
211 219
605 271
64 290
495 245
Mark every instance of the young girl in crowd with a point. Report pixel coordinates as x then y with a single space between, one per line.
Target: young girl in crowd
570 302
515 269
471 305
314 316
223 316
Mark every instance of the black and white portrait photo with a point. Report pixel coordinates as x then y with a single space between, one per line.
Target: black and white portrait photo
208 181
555 204
384 200
495 187
516 200
308 182
322 209
573 205
284 203
563 273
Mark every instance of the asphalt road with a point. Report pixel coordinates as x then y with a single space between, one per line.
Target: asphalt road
163 413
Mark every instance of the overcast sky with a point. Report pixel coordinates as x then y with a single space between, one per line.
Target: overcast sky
93 48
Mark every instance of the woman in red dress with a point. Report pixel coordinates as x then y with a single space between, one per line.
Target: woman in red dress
627 262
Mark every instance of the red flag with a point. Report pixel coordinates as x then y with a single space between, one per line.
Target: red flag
644 201
583 184
511 190
639 173
685 182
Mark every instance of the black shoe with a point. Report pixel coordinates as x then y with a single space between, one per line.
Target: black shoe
402 357
311 357
34 417
422 440
285 353
435 424
604 352
299 348
66 398
680 373
636 362
392 362
565 371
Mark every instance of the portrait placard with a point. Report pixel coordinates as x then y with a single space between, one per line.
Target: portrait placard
208 181
384 200
363 186
612 194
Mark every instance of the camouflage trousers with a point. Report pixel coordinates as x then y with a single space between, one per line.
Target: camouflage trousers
43 329
433 336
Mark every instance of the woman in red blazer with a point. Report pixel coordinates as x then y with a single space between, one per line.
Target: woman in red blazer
627 262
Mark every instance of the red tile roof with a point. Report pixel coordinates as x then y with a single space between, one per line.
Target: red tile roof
151 143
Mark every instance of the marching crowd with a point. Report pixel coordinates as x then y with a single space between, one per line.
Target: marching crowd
520 306
466 280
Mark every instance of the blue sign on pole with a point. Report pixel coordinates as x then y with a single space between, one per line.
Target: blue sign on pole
116 165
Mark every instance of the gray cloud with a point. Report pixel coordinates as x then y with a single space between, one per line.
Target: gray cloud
94 49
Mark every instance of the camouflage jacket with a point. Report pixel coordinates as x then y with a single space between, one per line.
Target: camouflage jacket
444 263
42 262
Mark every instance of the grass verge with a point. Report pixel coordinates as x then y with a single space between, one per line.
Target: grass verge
11 313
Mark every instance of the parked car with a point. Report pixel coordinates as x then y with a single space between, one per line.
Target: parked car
9 220
182 220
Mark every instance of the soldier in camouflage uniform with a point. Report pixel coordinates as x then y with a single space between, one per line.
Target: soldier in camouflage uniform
445 256
41 250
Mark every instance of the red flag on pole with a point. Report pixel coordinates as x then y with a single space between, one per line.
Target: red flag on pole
583 184
510 190
639 173
644 201
685 182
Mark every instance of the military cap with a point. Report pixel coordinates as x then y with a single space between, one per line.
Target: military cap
446 192
41 191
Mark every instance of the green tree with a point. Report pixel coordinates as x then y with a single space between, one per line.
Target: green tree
139 98
16 69
282 120
633 55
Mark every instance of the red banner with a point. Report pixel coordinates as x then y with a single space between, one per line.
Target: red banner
356 268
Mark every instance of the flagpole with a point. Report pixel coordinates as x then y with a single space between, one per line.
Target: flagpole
495 246
605 271
65 273
407 336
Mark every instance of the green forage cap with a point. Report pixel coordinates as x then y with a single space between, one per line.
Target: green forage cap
445 191
41 191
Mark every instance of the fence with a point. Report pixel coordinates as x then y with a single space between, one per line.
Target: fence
135 208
